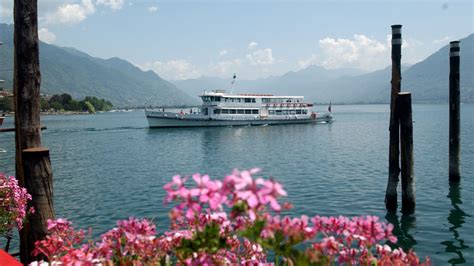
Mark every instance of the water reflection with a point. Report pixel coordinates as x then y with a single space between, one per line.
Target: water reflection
456 219
402 229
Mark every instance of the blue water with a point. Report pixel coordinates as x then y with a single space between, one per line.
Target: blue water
111 166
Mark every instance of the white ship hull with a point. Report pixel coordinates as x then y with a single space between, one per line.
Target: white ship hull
158 119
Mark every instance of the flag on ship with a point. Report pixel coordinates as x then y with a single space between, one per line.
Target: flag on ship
329 107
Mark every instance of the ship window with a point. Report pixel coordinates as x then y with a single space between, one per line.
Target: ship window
292 112
278 112
248 111
253 100
217 111
305 111
248 100
232 111
240 111
284 112
298 112
225 111
265 100
255 111
272 112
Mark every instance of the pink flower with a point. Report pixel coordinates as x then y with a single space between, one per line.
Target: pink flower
14 203
228 222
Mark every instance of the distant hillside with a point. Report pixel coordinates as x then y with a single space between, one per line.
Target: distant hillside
306 82
427 80
67 70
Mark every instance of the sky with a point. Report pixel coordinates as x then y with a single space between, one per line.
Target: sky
255 39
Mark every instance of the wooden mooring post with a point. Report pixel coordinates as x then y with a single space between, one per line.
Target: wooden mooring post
394 153
406 149
454 113
33 166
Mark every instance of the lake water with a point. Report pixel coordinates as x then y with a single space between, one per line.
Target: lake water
111 166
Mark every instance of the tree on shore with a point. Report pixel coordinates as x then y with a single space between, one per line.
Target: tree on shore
65 102
90 107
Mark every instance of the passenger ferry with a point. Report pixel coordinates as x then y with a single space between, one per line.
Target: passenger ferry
222 109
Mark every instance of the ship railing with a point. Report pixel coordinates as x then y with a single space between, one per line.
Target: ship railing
287 105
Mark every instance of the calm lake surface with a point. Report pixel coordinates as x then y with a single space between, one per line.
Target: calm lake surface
111 166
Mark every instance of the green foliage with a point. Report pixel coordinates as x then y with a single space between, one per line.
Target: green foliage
208 241
56 105
89 107
63 99
99 104
282 246
44 104
6 217
66 102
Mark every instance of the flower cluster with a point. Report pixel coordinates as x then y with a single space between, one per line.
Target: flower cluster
231 221
63 242
238 189
13 204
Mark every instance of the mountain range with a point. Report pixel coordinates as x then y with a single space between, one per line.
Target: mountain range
428 81
67 70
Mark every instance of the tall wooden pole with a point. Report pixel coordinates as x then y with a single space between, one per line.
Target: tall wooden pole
33 167
406 148
393 159
454 114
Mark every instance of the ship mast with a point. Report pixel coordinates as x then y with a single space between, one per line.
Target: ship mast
232 83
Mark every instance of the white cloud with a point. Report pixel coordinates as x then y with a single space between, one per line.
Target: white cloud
152 9
225 68
443 40
46 36
413 50
252 45
177 69
411 43
6 10
71 13
261 57
359 52
312 60
223 52
113 4
362 52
